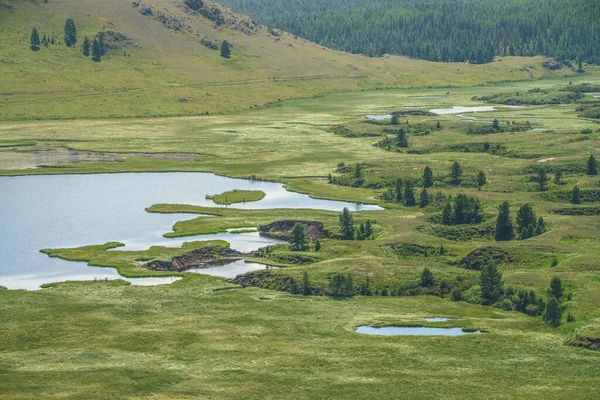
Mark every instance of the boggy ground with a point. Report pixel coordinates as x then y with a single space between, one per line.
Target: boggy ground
188 340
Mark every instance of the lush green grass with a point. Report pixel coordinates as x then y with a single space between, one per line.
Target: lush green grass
105 340
237 196
186 341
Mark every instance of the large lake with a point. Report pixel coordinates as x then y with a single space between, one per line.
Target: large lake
63 211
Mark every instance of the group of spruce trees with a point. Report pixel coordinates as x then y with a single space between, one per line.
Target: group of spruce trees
528 225
440 30
96 48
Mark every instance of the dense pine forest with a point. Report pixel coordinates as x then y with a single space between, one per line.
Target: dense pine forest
439 30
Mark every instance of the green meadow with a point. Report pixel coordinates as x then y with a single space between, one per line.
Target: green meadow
203 337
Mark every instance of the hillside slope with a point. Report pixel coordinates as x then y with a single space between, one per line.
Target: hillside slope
160 62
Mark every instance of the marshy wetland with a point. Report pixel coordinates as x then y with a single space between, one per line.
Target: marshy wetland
259 336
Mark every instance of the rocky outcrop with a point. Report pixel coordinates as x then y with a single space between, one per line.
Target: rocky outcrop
282 229
205 257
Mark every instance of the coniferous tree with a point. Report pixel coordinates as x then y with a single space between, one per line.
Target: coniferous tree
101 44
298 239
394 120
306 290
427 177
553 313
368 229
96 51
496 125
575 195
558 177
526 222
358 174
556 287
225 49
592 168
424 198
481 180
402 138
398 189
448 214
427 279
86 46
409 195
346 225
456 173
34 41
490 283
70 32
504 225
317 245
542 179
541 226
442 250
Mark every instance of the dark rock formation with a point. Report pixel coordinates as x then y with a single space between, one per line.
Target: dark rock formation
205 257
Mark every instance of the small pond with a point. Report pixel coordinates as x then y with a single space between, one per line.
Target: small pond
411 331
378 117
65 211
460 110
428 97
438 319
230 270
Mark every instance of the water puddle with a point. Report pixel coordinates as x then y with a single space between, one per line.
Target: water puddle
438 319
378 117
230 270
460 110
412 331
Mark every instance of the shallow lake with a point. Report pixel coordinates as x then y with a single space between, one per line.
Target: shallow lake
411 331
64 211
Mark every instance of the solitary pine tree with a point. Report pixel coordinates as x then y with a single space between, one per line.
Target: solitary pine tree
504 225
553 313
298 240
426 278
34 42
541 226
575 195
556 287
496 125
368 229
424 198
317 245
398 190
481 179
225 49
346 225
592 168
409 195
542 179
358 174
96 51
306 290
490 283
456 173
70 32
86 46
402 138
395 120
427 177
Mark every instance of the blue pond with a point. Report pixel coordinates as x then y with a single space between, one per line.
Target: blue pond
411 331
